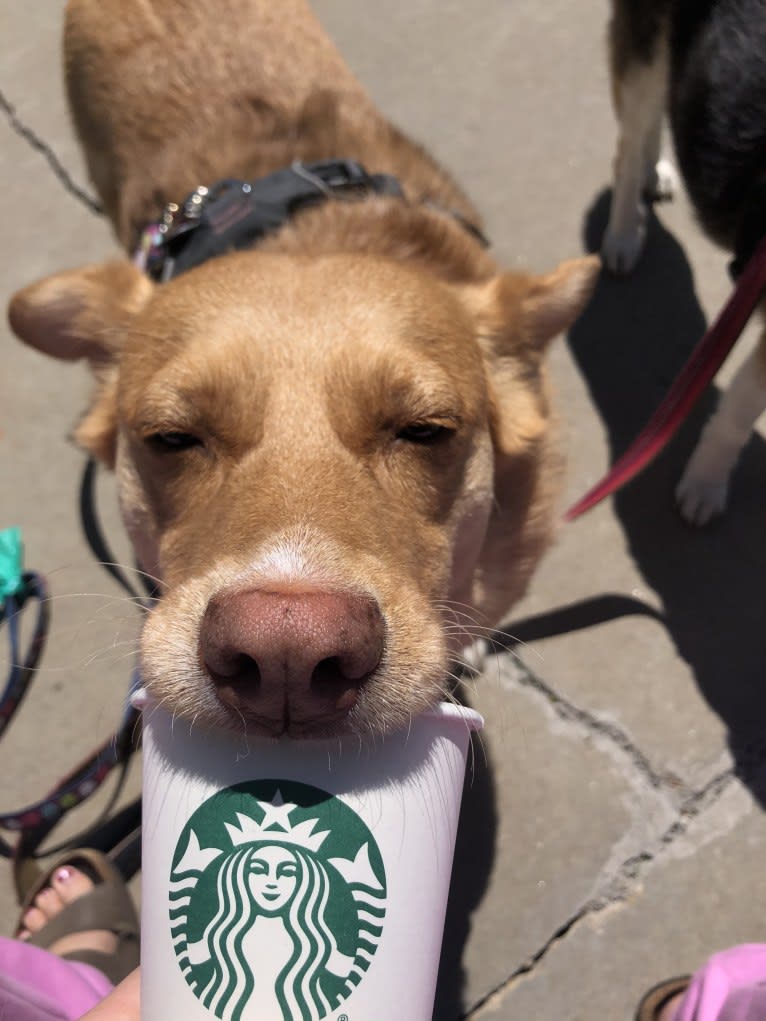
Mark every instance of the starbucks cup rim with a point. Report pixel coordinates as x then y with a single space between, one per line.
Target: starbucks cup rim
446 711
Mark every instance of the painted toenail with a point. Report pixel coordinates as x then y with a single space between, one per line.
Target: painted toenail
64 874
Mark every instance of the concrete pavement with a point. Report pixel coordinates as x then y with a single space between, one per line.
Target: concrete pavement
613 824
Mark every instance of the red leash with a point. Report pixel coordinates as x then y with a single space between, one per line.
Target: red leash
702 365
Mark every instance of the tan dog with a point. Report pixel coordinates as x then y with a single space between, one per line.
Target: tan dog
332 447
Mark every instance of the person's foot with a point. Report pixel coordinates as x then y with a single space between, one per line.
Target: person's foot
67 884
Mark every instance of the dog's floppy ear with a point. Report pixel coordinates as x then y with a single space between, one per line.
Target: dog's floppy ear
83 313
517 315
80 313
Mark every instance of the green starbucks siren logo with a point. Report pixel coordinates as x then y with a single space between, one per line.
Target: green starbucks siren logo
277 902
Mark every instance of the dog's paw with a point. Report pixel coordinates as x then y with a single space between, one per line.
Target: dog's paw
662 182
621 248
700 499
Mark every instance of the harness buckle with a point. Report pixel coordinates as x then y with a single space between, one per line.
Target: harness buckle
331 176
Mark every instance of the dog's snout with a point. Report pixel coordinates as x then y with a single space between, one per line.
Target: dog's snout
291 660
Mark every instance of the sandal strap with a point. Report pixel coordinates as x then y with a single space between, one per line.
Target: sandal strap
115 966
107 906
655 998
94 864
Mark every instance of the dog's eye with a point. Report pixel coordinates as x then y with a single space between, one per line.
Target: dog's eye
424 432
172 441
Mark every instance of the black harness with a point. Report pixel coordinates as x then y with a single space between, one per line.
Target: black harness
234 215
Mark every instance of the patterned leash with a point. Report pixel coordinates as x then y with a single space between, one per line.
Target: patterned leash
699 370
34 822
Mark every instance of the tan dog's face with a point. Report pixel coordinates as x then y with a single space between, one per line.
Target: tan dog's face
305 453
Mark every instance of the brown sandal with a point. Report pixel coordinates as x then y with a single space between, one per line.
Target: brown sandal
107 906
658 996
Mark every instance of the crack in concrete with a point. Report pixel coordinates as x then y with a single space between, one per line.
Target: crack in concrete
496 995
661 781
58 168
632 869
617 890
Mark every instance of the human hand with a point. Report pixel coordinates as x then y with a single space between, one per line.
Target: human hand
122 1004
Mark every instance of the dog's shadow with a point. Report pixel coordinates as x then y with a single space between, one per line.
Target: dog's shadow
629 345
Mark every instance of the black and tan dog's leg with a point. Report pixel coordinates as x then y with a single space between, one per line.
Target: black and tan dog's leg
703 490
639 68
661 181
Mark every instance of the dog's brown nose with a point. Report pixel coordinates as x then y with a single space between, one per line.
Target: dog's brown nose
290 660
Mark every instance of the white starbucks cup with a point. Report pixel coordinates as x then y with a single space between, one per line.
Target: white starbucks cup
297 880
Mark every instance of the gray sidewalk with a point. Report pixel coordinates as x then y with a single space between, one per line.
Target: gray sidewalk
613 826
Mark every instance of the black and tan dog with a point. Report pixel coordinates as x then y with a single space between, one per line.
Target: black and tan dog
704 61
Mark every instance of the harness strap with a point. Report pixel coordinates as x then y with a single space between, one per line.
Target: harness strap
232 215
702 365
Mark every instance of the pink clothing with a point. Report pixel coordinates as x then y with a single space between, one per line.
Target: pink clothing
730 987
38 986
35 985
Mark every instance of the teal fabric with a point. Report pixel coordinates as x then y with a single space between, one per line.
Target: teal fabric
10 562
